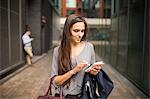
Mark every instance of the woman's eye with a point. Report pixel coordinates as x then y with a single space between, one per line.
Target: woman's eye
82 30
76 30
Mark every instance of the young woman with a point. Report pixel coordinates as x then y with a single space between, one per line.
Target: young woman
71 56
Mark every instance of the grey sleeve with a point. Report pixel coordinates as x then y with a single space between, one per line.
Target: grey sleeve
54 66
92 54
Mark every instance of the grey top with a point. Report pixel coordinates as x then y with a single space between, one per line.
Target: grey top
74 88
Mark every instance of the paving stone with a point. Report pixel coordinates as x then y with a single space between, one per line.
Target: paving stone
34 81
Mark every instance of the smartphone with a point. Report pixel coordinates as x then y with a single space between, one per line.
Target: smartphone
87 68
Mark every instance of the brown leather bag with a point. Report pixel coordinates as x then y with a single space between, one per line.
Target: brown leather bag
48 94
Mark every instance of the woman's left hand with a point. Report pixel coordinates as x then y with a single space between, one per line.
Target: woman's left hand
95 69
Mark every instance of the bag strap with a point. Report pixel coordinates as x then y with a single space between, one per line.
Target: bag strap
49 91
50 86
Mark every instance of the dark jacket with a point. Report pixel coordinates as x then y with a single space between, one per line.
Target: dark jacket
96 87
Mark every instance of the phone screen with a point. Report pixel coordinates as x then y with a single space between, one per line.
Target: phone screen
87 68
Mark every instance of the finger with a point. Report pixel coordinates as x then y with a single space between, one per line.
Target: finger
94 70
98 67
81 66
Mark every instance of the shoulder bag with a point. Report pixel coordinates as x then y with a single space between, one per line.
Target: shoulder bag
48 94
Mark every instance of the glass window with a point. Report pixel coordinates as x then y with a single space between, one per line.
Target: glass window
4 34
71 3
14 31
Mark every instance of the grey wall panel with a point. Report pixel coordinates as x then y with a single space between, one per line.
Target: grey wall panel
122 44
114 42
146 44
47 28
136 31
56 27
0 36
122 37
10 36
14 31
130 32
33 14
4 35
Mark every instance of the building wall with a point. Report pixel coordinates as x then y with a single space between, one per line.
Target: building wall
135 39
56 15
33 12
47 27
146 45
0 37
11 32
14 15
127 48
56 27
129 43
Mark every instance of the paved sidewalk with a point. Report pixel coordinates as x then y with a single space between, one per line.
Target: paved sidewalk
34 80
30 82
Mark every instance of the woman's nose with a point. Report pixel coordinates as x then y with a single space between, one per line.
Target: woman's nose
80 34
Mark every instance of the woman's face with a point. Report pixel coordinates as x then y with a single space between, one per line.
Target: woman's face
77 30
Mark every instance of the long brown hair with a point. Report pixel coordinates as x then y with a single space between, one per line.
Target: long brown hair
64 60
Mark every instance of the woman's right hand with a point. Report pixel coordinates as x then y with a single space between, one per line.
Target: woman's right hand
80 66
